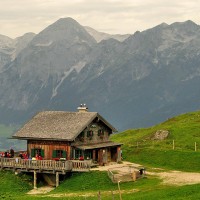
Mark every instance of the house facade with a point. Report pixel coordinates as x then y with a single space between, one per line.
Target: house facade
82 135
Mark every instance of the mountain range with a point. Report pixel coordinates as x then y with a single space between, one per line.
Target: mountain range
132 80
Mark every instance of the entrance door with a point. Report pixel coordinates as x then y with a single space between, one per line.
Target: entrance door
109 154
113 152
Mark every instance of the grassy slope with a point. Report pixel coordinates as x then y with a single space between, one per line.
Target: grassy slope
184 130
11 185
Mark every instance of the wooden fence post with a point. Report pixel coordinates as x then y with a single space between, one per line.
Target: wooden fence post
99 195
113 195
195 146
173 145
120 195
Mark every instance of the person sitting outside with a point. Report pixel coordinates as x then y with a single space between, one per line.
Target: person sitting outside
81 158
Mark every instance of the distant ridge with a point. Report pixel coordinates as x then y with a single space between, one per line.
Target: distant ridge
99 36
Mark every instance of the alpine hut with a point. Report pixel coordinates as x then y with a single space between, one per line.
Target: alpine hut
63 135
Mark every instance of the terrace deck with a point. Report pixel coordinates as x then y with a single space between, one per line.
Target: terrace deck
44 166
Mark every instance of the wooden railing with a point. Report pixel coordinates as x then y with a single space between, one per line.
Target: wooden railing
50 165
81 165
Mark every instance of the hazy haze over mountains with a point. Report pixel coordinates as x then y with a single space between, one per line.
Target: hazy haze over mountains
136 81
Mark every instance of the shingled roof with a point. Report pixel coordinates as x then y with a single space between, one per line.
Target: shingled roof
58 125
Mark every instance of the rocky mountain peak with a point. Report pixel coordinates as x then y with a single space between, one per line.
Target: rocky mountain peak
64 29
186 24
5 41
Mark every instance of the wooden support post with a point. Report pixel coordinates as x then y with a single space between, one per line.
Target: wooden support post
195 146
173 145
57 179
35 180
1 163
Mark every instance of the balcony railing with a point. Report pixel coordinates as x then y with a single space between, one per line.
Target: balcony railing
47 165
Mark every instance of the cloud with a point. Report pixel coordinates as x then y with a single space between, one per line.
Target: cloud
114 16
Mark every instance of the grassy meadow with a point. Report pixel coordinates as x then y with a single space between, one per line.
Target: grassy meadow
139 147
184 129
83 186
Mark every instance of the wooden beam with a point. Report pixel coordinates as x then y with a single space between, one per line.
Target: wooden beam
35 180
57 179
1 163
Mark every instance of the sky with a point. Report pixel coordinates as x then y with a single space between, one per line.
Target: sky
18 17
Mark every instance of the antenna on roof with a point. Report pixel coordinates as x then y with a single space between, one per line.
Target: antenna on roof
82 108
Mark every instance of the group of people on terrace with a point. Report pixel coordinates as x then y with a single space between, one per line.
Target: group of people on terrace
22 155
7 154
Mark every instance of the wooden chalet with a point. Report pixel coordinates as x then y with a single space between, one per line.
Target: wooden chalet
58 135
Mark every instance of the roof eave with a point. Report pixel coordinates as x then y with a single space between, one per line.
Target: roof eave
107 123
46 139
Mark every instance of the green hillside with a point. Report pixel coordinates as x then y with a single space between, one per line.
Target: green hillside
140 147
12 186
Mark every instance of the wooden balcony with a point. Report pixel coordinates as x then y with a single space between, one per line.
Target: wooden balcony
44 166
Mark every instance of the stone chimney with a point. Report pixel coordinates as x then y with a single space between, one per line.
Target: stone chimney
82 108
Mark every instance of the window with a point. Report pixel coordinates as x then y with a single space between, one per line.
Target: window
39 152
90 134
81 136
88 154
100 132
78 153
59 154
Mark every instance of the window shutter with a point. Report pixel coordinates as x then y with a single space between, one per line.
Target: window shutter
82 134
42 153
64 154
72 153
32 152
54 154
88 134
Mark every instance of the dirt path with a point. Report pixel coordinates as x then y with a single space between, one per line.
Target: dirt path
169 177
41 190
177 177
122 167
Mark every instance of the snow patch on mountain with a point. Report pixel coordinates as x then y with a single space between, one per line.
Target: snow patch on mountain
44 44
192 75
78 67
